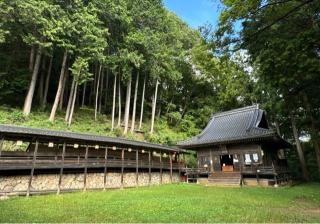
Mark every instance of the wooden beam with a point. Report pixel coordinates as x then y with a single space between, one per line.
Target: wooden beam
33 167
149 168
160 158
61 168
137 167
122 167
170 167
85 169
105 169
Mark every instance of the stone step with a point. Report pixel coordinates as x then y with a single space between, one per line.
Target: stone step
225 175
223 179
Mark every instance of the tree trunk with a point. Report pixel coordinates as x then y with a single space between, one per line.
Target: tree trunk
96 72
299 150
114 101
84 94
46 88
41 81
31 60
70 99
278 128
142 103
73 103
314 130
29 97
119 102
59 90
65 88
90 93
127 109
154 104
97 94
101 91
106 93
135 104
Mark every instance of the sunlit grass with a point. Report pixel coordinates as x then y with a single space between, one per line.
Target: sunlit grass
170 203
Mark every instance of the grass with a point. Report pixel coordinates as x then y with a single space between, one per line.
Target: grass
170 203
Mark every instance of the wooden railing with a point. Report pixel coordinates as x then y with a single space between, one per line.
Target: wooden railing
55 162
194 171
262 169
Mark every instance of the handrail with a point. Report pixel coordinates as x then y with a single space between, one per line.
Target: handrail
54 162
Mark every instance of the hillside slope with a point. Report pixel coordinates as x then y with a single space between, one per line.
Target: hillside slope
84 122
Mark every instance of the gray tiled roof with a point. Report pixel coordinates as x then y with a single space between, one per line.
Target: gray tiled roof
230 126
16 132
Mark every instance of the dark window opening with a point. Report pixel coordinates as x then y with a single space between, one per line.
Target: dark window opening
226 162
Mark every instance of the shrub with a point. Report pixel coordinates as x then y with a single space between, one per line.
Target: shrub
17 116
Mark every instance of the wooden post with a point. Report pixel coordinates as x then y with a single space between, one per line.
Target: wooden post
171 168
160 167
211 161
274 176
105 168
179 166
1 145
241 175
85 169
122 168
61 167
137 167
149 168
33 167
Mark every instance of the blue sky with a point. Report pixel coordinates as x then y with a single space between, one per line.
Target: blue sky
195 12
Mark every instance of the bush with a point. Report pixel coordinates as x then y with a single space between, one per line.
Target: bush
187 125
174 118
17 117
118 132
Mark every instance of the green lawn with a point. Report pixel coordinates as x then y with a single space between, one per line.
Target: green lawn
170 203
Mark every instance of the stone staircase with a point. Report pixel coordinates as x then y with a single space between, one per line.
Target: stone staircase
224 179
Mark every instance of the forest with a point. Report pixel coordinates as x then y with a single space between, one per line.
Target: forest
132 68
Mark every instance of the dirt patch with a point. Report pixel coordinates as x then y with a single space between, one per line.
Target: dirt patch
305 202
314 211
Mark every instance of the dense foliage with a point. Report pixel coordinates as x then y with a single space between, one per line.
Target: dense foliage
281 39
97 53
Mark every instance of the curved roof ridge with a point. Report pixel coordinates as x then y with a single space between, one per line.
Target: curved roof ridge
254 119
206 128
236 111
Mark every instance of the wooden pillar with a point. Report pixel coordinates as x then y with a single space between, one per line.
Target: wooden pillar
274 175
1 145
137 167
105 169
179 166
170 167
61 167
149 168
241 174
211 161
160 158
33 167
122 166
85 169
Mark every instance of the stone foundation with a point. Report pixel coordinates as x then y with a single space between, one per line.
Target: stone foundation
49 182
